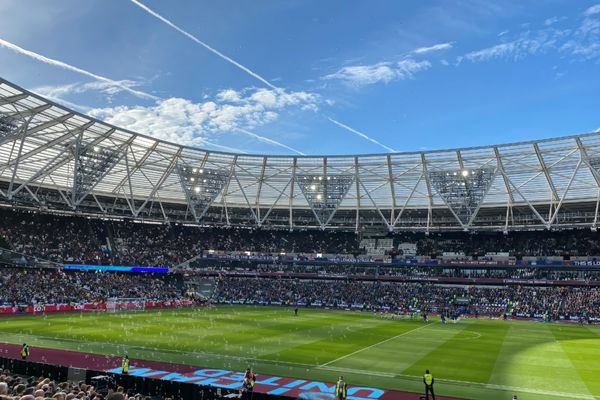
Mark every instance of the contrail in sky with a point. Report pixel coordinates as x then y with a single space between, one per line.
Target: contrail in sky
362 135
206 46
267 140
70 67
240 66
112 82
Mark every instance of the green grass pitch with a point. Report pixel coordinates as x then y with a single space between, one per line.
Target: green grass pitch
475 359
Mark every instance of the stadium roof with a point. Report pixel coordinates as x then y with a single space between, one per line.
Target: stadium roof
56 159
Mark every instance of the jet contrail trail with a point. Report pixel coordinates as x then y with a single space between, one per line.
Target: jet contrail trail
267 140
206 46
242 67
138 93
69 67
362 135
227 148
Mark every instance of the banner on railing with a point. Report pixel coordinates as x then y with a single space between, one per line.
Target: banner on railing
100 306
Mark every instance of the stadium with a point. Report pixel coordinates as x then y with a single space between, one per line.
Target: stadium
137 267
484 233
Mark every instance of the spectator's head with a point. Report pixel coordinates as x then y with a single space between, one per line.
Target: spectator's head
19 389
116 396
59 396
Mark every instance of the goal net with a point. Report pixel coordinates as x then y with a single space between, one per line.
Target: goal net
125 304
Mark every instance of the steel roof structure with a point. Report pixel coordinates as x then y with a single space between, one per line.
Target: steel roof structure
55 159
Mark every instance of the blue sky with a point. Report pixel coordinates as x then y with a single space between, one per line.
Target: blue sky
314 77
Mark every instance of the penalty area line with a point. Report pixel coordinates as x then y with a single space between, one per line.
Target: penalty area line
373 345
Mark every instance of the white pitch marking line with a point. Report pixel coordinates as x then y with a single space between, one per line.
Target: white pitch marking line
349 370
373 345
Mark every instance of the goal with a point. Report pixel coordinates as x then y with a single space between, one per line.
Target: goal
125 304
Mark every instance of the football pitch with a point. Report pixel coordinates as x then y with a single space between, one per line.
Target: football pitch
474 359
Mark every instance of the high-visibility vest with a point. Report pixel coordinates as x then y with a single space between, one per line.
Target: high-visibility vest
340 389
125 365
428 378
25 351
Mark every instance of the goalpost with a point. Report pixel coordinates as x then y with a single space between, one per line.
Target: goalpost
125 304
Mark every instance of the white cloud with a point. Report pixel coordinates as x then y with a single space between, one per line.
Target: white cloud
436 47
553 20
61 91
497 51
361 75
213 50
581 41
229 95
191 123
593 10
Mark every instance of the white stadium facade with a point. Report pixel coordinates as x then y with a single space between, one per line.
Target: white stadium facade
57 160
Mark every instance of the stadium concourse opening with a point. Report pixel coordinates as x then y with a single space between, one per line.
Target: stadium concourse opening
481 265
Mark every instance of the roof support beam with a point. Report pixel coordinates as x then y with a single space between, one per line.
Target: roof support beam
584 155
31 112
226 189
429 195
357 182
546 172
43 126
246 199
13 99
48 169
562 198
500 166
383 218
510 198
52 143
291 199
412 192
461 163
136 167
516 189
597 207
274 203
258 190
162 179
19 152
392 189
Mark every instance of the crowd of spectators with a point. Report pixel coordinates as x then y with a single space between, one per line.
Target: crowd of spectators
70 239
527 301
77 239
55 286
415 272
20 387
543 243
